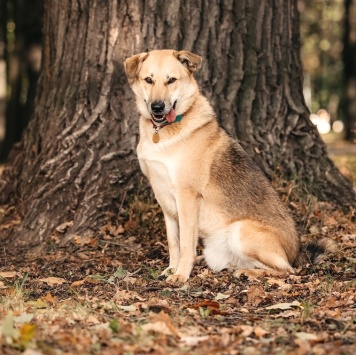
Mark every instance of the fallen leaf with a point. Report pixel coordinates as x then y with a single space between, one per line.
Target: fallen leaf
193 341
81 240
285 305
30 351
158 327
62 228
77 283
27 333
221 296
257 274
49 298
287 314
92 319
128 308
24 318
273 281
157 308
306 336
9 332
255 295
120 273
206 303
51 281
161 323
39 304
244 330
122 295
259 332
9 274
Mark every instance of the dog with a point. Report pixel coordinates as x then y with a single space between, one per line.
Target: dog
204 181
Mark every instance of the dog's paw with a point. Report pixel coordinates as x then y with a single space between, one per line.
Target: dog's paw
170 270
166 272
177 279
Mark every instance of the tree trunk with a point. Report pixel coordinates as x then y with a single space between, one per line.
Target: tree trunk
77 158
349 57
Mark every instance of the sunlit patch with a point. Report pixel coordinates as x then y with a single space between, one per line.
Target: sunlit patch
338 126
322 121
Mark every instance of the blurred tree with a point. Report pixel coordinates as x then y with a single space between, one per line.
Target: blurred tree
321 33
77 157
349 57
23 35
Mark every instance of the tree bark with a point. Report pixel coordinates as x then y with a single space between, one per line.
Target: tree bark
77 158
349 58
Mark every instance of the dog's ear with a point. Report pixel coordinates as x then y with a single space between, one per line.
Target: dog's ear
190 60
133 65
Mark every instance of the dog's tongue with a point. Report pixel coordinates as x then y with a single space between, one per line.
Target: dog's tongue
171 116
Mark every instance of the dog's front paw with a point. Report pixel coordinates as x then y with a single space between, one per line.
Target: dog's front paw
166 272
177 279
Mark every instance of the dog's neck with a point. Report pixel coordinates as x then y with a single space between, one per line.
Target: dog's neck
198 114
166 123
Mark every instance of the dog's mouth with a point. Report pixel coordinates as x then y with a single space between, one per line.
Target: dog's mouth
168 117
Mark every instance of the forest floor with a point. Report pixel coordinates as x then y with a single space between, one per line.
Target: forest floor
103 296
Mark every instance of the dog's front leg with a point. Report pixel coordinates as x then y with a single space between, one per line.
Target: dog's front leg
188 212
173 243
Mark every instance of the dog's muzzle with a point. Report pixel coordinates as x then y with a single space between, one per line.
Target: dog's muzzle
158 115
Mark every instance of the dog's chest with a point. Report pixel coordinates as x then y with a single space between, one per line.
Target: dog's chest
161 170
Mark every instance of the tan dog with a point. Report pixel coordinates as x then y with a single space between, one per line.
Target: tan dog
204 181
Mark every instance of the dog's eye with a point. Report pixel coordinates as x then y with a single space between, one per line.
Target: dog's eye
148 80
171 80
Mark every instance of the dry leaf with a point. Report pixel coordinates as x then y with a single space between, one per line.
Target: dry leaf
51 281
221 296
77 283
39 304
158 327
244 330
9 274
211 305
27 333
306 336
128 308
24 318
62 228
193 341
287 314
49 298
285 305
273 281
80 240
161 323
259 332
255 295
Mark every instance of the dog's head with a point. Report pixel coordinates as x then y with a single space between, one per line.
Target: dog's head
163 82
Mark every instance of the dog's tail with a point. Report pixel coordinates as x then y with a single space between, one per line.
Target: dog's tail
315 252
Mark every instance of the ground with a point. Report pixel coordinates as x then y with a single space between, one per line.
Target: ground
102 295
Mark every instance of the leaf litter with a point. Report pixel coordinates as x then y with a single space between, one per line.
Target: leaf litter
104 295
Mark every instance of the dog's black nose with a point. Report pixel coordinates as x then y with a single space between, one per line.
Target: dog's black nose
157 106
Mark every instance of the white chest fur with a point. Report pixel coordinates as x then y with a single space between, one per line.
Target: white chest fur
161 168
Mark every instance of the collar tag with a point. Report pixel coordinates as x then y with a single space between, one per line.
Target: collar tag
155 137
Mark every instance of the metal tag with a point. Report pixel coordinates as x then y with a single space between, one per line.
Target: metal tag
155 137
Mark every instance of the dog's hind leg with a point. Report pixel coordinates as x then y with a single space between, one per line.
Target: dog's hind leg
257 246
